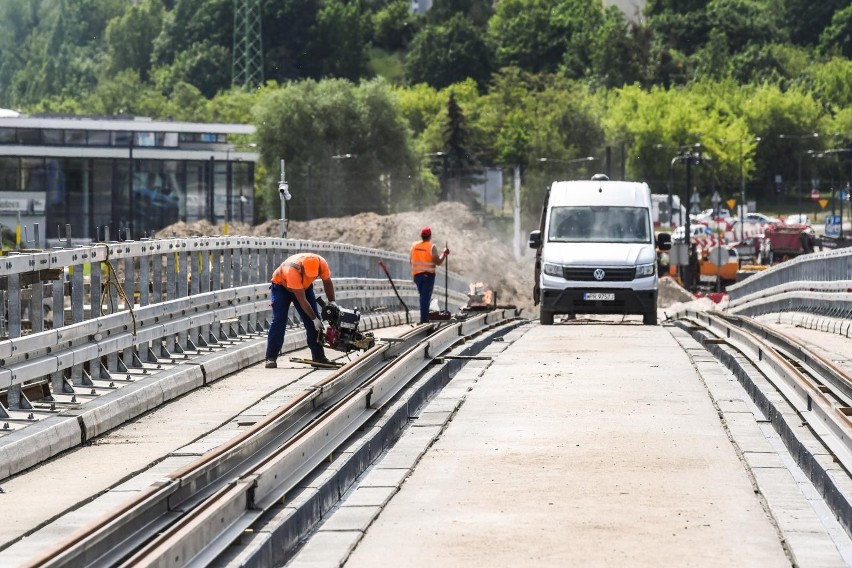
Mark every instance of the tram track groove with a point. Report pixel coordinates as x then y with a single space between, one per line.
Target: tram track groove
810 411
231 486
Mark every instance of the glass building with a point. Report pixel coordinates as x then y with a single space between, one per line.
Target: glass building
121 178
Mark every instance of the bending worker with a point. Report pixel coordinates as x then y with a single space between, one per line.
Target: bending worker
424 259
292 283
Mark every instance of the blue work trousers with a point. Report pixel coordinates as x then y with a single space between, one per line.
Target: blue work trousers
281 300
425 282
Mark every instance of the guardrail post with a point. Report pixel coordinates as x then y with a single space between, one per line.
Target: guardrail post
14 306
95 303
130 296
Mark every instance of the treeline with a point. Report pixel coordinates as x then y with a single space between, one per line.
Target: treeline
376 108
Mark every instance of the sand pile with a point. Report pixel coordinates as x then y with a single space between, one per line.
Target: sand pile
475 252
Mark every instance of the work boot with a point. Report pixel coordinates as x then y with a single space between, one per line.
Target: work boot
321 358
271 364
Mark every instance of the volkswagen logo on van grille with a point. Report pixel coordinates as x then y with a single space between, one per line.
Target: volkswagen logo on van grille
599 274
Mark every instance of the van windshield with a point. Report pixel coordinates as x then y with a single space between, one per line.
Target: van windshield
599 224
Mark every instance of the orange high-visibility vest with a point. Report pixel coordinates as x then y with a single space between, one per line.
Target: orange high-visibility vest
421 258
291 273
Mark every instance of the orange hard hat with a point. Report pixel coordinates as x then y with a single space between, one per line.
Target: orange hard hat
311 265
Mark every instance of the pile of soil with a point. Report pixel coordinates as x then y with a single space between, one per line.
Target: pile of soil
476 253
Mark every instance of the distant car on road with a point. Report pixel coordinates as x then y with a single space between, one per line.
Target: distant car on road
797 219
761 219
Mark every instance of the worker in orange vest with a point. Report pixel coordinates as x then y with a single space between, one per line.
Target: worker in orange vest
292 283
424 259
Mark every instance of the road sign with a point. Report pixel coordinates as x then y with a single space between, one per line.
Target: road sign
832 225
814 194
843 195
716 198
823 203
694 210
695 199
731 203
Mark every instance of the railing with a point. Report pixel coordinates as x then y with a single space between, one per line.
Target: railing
77 314
817 283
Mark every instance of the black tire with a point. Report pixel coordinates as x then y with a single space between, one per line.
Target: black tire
650 318
545 317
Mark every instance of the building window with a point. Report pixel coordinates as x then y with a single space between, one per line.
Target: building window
33 174
52 136
75 137
98 138
30 136
121 138
8 174
7 136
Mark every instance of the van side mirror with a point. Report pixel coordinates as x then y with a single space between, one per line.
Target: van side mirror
664 241
535 239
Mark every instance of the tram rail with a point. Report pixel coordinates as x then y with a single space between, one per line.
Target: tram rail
818 392
195 513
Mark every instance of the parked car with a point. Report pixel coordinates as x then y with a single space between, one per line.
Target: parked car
761 219
711 214
695 229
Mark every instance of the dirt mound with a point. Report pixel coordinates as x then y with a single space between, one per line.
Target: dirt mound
476 253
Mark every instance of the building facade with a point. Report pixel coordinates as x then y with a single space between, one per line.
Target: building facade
103 178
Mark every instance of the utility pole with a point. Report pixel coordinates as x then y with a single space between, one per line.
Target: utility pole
517 211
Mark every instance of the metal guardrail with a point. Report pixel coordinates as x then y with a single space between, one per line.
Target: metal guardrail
818 283
116 306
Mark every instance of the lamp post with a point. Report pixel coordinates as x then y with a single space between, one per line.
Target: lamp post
848 184
567 162
690 158
338 157
742 207
284 191
799 137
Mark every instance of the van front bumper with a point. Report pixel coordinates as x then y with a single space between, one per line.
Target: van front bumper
572 301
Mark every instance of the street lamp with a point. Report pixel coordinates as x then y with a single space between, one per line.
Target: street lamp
284 191
799 137
848 184
568 162
689 158
742 206
338 157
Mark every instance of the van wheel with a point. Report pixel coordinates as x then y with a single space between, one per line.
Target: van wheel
650 318
545 317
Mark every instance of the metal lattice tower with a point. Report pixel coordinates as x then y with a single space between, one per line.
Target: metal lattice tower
247 65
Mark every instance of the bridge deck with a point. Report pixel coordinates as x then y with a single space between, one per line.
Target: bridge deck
590 445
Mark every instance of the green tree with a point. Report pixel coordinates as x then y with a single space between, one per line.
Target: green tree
339 40
203 65
836 39
459 163
394 25
443 54
308 123
807 20
130 38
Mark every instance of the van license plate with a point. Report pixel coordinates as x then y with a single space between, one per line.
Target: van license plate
599 297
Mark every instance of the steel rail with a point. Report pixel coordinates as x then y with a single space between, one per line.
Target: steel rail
236 510
199 509
102 542
813 385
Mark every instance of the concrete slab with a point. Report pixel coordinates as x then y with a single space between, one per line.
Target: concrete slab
326 549
596 454
350 518
384 477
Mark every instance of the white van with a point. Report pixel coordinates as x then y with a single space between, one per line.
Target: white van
596 250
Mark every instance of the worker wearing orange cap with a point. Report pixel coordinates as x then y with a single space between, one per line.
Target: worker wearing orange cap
424 259
292 283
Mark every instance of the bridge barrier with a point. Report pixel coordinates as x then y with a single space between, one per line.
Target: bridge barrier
817 283
117 307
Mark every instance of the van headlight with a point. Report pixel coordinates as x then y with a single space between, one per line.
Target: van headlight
553 270
645 270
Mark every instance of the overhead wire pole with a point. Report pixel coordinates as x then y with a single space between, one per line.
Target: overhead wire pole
247 63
